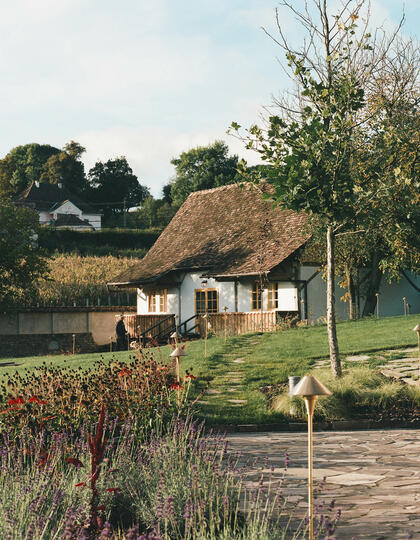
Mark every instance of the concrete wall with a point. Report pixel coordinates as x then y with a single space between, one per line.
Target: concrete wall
390 300
101 324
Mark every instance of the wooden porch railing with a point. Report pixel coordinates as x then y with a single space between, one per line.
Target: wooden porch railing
239 323
136 324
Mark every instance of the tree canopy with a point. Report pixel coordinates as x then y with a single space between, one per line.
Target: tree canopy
20 260
112 185
42 162
22 166
203 167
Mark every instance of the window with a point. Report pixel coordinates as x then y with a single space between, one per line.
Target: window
256 296
273 296
158 298
206 301
163 301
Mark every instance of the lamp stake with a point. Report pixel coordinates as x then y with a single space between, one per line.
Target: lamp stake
310 407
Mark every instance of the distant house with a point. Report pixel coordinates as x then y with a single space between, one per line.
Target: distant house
218 249
58 207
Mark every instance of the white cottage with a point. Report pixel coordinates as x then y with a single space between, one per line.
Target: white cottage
58 207
220 247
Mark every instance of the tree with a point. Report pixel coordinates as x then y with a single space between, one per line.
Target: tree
113 186
20 260
204 167
67 168
22 166
388 167
311 143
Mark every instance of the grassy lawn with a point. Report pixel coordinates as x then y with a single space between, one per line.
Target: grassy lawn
236 370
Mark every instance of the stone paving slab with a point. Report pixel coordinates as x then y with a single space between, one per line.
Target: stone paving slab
374 476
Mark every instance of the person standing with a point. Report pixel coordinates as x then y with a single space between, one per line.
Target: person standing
121 332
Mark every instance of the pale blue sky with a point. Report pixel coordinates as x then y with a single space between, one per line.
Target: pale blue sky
144 79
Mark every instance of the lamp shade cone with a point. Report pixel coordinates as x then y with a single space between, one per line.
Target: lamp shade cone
179 351
416 328
174 335
310 386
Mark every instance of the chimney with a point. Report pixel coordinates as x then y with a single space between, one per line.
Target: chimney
36 184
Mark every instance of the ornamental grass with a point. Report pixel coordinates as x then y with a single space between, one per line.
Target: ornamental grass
178 484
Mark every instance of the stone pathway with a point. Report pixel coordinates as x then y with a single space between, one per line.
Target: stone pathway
400 364
374 476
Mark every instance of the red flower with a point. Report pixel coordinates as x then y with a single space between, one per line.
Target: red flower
35 399
16 401
124 372
74 461
190 377
176 386
101 507
113 490
80 484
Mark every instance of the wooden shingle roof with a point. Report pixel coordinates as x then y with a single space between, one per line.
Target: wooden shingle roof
220 232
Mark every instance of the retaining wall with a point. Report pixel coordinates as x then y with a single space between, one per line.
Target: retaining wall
49 331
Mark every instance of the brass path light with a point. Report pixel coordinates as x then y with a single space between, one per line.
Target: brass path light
310 388
206 325
177 353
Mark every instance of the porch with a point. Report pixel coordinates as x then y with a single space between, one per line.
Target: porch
160 326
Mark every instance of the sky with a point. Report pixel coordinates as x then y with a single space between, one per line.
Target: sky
145 79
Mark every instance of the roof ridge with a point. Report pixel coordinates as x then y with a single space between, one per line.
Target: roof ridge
227 186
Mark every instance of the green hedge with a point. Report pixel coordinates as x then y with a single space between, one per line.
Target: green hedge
124 242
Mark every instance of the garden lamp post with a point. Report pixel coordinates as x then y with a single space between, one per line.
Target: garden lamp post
417 329
205 317
310 388
177 353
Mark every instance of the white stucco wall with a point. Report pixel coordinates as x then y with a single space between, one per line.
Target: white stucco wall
45 217
226 293
67 208
94 220
391 295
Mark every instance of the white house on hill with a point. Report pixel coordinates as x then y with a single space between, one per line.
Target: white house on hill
58 207
221 245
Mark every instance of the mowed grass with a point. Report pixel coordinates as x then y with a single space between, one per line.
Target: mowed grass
235 370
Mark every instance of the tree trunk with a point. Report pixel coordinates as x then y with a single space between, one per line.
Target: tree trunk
373 286
332 330
351 289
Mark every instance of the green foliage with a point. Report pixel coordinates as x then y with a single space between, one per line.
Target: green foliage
153 213
21 262
22 166
66 167
111 183
359 392
107 241
204 167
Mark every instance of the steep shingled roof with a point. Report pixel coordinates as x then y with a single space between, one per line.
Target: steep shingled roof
43 196
219 232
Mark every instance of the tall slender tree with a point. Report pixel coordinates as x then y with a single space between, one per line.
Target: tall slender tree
311 142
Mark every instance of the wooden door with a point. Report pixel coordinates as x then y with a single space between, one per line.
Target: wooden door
206 301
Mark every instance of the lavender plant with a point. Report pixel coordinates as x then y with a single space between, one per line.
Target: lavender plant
179 484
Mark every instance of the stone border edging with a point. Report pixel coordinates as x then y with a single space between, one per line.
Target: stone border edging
293 427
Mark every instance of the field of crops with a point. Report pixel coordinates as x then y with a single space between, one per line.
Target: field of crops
76 280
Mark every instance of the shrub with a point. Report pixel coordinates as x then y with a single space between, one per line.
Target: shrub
358 392
178 485
54 397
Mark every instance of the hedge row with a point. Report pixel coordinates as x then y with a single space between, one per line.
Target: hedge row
135 242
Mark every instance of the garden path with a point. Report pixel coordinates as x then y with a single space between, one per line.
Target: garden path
402 364
373 476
